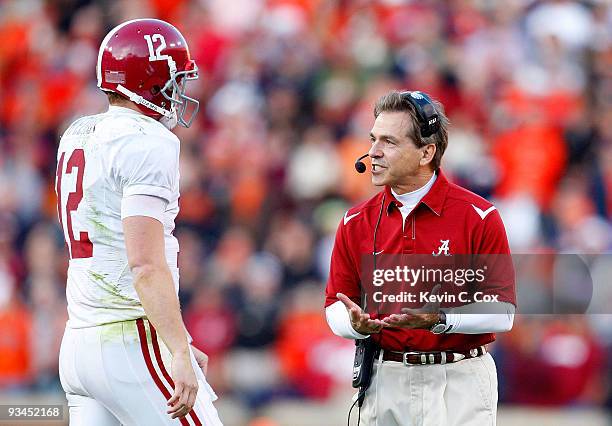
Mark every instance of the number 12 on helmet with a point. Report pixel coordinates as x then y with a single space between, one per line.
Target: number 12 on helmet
148 62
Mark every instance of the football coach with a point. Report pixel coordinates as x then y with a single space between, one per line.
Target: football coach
427 364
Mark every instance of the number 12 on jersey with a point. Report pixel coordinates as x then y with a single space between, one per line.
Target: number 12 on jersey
81 248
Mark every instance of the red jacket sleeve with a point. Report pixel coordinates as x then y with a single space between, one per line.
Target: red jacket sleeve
490 243
343 271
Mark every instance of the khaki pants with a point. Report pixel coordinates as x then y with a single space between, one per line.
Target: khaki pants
459 394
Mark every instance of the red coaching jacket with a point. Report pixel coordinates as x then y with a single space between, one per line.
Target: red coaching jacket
448 218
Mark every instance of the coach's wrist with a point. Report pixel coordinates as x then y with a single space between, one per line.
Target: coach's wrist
366 331
357 335
439 326
436 319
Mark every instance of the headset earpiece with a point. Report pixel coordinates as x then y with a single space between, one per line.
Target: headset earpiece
425 110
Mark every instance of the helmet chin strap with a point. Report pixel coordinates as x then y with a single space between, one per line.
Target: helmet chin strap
169 122
142 101
169 118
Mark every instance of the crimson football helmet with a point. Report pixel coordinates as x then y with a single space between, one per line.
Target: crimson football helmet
148 62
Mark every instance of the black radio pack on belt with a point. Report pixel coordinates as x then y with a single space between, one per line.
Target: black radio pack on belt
363 365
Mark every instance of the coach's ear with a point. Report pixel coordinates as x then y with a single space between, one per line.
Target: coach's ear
428 151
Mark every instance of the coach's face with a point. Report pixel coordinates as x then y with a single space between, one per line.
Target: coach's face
396 159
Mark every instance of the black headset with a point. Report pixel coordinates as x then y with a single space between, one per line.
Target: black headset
429 120
425 110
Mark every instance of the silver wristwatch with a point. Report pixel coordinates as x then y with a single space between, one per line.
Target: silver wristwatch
440 326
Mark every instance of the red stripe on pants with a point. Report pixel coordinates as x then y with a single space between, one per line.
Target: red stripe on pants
162 367
142 334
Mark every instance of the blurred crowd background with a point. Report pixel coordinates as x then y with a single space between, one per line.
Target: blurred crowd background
287 89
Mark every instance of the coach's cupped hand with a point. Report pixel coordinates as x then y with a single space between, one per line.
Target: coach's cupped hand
185 385
422 318
361 321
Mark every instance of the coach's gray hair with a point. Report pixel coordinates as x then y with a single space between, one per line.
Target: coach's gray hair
395 102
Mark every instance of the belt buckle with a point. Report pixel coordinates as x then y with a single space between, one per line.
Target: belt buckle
423 355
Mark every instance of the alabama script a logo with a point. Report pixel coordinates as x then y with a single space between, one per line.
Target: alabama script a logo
443 249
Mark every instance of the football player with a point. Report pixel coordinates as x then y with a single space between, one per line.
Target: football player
126 357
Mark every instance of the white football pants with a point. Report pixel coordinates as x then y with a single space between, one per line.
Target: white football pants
118 374
463 393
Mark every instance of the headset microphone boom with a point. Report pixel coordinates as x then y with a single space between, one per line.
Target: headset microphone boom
360 165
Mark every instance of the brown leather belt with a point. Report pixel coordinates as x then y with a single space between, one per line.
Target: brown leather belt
424 358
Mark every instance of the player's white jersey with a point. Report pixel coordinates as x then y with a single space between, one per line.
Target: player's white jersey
101 159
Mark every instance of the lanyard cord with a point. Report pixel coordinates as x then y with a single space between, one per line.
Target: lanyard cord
362 391
382 205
